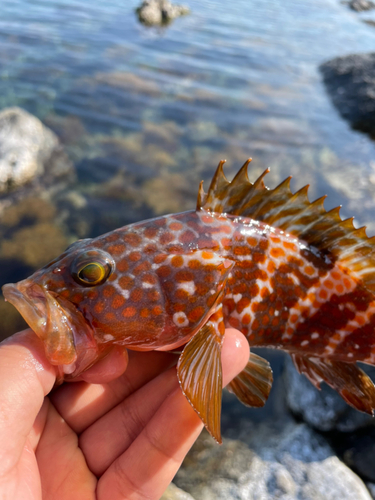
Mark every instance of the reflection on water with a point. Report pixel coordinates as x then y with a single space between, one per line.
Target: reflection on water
145 114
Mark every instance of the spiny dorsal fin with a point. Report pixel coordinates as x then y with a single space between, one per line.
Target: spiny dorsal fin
295 214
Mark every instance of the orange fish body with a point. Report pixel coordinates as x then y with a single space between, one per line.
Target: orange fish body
273 265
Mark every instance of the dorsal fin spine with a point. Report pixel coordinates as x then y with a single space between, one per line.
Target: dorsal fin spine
241 175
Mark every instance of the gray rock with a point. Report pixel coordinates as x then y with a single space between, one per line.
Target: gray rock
350 81
361 5
325 409
267 462
28 150
159 12
174 493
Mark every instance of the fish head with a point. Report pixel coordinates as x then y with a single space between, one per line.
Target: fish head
45 302
89 298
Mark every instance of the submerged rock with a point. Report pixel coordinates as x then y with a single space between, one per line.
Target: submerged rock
361 5
267 462
350 81
159 12
28 150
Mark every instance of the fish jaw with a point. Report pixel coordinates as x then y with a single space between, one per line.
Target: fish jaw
30 301
67 337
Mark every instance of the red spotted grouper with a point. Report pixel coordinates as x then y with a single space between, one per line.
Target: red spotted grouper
282 270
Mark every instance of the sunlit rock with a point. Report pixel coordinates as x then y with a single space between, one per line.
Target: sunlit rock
28 150
267 462
159 12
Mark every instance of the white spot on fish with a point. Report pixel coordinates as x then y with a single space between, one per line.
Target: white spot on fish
188 286
237 297
180 319
147 285
108 337
350 355
304 342
315 335
356 346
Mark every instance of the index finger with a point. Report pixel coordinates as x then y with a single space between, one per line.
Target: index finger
26 377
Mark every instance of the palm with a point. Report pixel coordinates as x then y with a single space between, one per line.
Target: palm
124 438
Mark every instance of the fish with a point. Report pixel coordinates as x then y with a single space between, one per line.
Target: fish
281 269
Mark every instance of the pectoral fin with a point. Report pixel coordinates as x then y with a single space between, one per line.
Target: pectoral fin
200 376
253 385
352 383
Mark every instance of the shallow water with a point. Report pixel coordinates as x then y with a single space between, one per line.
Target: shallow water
145 114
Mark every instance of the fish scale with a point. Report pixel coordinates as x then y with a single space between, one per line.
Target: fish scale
282 270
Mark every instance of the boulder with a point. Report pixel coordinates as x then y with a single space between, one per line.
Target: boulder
268 461
350 81
28 151
159 12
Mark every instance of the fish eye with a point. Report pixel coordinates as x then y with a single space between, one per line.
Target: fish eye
92 268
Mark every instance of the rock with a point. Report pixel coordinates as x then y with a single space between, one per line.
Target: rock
361 5
28 150
324 410
268 462
350 81
174 493
159 12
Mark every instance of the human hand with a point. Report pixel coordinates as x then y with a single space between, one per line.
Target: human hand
114 435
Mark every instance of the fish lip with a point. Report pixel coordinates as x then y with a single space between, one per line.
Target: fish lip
45 316
68 338
30 301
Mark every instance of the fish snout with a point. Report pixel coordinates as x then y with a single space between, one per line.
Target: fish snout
46 317
29 299
68 338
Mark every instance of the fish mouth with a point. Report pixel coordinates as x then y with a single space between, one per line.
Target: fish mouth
67 337
30 301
